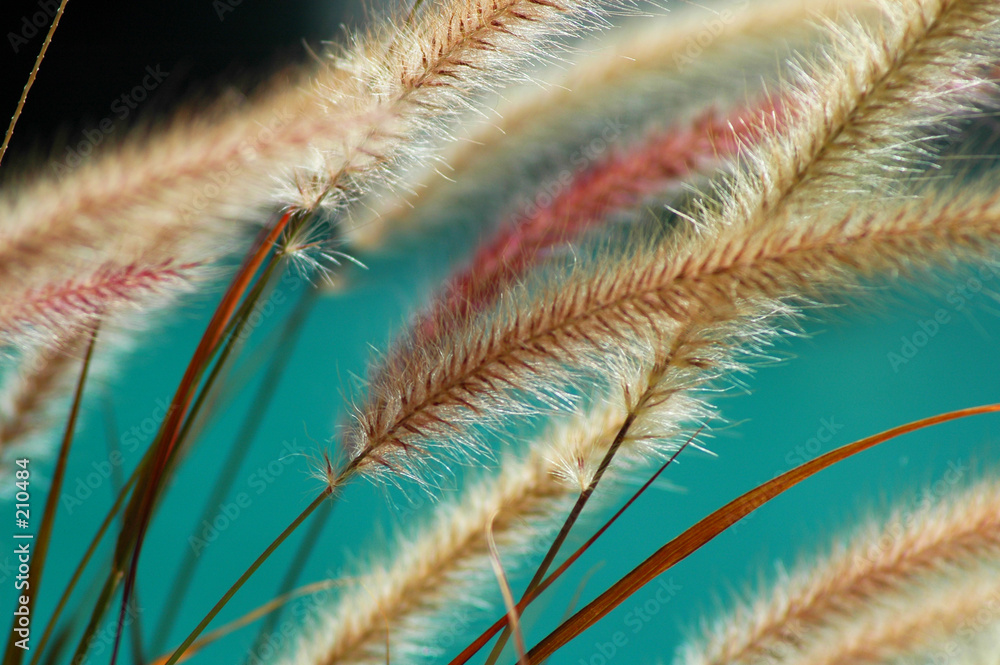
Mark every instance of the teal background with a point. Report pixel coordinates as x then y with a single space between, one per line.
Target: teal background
836 371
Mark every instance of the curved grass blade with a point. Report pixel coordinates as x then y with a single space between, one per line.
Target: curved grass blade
691 540
140 509
327 492
570 560
234 459
293 572
567 526
267 609
31 77
15 655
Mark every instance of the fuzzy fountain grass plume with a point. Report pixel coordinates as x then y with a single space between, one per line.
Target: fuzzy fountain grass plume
565 346
471 377
387 88
524 502
895 562
75 303
656 63
314 140
617 184
748 247
29 394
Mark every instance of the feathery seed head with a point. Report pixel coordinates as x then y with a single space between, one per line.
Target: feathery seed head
845 596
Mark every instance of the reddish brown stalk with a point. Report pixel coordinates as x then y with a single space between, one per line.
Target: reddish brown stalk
43 377
141 507
56 304
620 182
691 540
14 655
31 77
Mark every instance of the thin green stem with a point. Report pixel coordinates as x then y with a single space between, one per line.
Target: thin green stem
111 431
15 655
140 509
567 526
203 624
31 78
234 460
331 490
82 565
292 574
115 575
100 607
240 319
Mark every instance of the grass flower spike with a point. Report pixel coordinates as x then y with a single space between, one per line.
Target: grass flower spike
736 252
350 120
887 562
616 208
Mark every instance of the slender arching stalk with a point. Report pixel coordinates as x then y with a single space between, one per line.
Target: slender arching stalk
564 531
85 559
652 219
14 655
294 572
31 77
323 496
216 331
141 507
327 493
708 528
240 446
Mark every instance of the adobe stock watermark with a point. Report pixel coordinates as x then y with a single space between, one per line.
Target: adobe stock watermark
927 329
223 7
453 622
32 26
452 628
301 612
230 511
711 29
905 521
104 639
121 108
6 570
636 619
265 309
800 454
216 183
580 160
99 471
985 619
